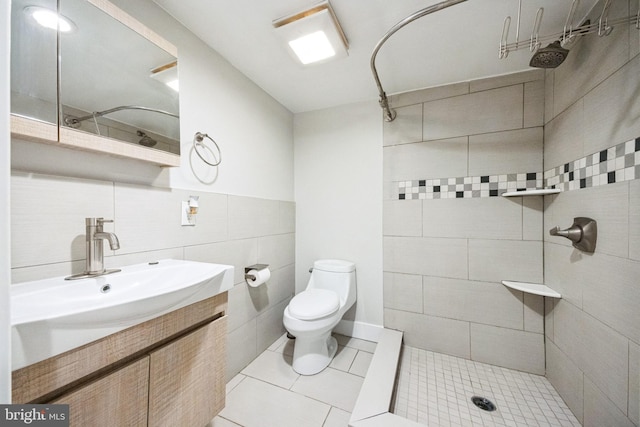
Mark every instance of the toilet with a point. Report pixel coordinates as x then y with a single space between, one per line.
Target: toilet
313 313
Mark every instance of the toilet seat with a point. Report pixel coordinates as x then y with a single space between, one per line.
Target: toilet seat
314 304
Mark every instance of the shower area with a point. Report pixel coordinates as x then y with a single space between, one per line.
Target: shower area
450 238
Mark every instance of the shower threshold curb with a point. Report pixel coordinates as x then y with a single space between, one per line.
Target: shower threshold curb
374 400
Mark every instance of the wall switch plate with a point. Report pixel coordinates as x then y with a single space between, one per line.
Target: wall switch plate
187 219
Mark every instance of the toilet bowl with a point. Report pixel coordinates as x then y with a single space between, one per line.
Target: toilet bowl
313 313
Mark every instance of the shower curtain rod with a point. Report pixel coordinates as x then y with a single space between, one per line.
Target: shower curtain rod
70 120
389 114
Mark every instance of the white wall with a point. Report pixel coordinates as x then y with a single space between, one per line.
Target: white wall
338 176
5 249
254 131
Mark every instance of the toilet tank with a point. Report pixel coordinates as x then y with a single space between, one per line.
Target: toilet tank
336 275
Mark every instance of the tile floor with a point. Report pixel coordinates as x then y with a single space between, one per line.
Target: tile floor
435 389
269 393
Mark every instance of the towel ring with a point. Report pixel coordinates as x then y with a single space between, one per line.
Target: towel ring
198 141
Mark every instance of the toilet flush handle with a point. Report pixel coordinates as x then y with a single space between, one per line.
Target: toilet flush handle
311 270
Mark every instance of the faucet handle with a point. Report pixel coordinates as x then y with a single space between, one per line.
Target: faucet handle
101 221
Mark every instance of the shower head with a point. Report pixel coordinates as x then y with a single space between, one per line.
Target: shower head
549 57
146 140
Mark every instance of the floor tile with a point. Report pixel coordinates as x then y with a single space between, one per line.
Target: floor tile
356 343
337 418
436 389
330 386
344 358
254 403
233 382
274 368
221 422
360 365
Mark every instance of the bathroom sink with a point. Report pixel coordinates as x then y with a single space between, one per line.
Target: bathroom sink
51 316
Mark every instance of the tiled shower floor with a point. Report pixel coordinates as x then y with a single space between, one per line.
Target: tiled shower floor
436 389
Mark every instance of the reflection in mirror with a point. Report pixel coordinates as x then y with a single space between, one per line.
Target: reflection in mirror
114 82
33 63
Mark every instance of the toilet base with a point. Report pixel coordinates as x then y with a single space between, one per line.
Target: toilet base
311 356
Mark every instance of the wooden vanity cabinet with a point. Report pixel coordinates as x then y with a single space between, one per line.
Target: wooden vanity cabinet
168 371
118 399
187 379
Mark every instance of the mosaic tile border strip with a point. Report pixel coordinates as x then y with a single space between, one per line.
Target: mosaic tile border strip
469 186
615 164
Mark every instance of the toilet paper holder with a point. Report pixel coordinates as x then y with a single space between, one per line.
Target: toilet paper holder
253 267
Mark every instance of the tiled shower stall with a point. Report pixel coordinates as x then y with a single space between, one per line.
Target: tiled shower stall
449 238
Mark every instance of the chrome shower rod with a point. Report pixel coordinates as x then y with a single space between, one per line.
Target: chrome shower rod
389 114
76 120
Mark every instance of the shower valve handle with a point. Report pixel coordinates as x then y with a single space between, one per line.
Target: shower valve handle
573 233
583 233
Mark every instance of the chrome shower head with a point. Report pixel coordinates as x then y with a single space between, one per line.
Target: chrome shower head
146 140
549 57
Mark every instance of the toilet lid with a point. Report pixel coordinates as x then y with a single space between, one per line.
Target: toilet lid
314 304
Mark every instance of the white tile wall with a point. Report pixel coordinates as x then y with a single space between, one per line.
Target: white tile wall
592 60
634 382
478 302
402 218
431 333
634 220
234 230
407 126
592 345
564 136
506 152
608 205
54 207
566 377
431 159
403 292
600 411
496 260
479 112
533 313
427 256
509 348
598 351
462 248
474 218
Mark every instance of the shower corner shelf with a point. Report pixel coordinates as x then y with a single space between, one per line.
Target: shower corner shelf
532 288
539 192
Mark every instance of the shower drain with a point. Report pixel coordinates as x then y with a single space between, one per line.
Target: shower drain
483 403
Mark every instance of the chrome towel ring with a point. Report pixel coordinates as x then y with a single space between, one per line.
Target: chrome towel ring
199 144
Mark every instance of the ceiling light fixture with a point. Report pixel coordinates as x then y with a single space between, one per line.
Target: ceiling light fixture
167 74
50 19
313 35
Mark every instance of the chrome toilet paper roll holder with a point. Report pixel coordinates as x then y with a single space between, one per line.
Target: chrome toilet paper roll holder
583 233
257 267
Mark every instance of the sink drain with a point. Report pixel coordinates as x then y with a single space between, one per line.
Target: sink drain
483 403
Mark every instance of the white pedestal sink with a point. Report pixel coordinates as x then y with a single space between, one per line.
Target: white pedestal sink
51 316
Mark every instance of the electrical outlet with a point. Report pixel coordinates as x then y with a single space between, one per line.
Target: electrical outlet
187 219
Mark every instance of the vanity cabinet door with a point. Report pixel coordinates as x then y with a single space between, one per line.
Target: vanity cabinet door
118 399
187 378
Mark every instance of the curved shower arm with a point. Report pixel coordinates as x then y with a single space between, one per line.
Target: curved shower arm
390 114
70 120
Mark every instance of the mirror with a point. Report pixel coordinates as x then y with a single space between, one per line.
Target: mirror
113 80
103 82
33 64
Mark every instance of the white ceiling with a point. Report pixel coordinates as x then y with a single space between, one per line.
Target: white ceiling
456 44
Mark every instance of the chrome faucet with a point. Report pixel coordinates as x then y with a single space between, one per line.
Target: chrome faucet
94 265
